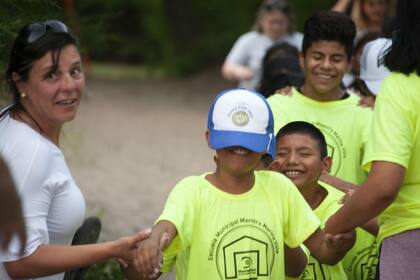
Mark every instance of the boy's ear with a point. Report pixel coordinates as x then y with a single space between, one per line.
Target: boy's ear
207 134
326 165
274 166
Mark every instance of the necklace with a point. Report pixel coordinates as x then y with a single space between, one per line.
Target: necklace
23 116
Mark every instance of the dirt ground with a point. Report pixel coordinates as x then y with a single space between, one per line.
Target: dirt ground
132 141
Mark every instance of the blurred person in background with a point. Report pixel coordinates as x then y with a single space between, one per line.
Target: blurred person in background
368 15
280 69
274 24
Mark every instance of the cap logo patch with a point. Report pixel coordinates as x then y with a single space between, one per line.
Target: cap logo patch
240 118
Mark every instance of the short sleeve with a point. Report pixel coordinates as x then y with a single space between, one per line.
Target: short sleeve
239 52
300 220
391 135
365 123
36 195
180 210
170 255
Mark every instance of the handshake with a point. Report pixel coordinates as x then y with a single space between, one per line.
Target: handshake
142 257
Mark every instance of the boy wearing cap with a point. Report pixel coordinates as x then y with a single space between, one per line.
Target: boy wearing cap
233 223
326 56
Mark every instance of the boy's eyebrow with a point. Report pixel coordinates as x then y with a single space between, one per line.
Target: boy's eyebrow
339 55
318 52
299 148
323 54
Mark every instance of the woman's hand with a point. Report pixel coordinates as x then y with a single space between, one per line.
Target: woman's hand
124 248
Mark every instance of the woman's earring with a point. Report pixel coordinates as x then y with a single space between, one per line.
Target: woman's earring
23 95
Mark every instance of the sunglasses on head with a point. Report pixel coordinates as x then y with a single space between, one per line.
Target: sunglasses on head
36 30
276 5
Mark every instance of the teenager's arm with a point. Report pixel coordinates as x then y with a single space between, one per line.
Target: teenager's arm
51 259
376 193
348 188
295 261
338 183
329 249
148 260
372 227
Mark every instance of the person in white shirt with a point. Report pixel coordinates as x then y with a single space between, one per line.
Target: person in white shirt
274 24
46 80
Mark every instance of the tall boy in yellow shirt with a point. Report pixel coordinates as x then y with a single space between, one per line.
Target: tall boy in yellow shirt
233 223
327 54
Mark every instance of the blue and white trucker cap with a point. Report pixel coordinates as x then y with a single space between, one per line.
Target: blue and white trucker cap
241 117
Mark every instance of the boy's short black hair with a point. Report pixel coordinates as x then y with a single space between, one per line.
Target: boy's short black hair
329 26
305 128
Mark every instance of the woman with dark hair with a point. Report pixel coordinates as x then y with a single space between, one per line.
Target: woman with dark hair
46 80
392 189
274 24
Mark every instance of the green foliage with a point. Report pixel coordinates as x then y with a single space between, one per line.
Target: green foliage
16 13
178 36
305 9
109 270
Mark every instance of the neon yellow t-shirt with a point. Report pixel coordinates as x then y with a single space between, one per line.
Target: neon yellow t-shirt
344 124
395 137
328 207
226 236
360 261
